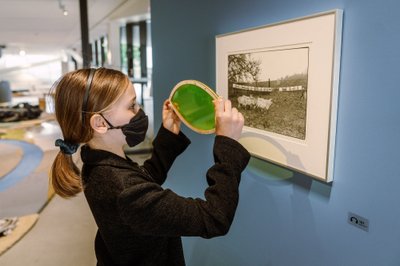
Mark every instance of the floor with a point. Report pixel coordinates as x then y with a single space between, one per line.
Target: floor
24 186
62 236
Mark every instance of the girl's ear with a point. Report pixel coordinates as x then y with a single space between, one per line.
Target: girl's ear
98 124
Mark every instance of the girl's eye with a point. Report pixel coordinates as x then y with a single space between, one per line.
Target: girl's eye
133 106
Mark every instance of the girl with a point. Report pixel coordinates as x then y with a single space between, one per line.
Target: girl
139 222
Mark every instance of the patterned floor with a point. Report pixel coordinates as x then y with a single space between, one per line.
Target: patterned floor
27 151
31 157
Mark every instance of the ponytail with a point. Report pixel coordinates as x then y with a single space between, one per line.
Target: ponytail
65 176
74 105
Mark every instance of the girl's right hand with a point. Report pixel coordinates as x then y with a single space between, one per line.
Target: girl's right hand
228 121
170 120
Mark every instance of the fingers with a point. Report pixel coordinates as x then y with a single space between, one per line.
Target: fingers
171 120
229 121
235 113
219 105
222 106
168 107
228 107
167 104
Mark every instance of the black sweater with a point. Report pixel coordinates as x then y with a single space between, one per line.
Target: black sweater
139 222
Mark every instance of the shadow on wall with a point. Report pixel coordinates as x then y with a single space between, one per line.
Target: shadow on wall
264 187
273 174
294 219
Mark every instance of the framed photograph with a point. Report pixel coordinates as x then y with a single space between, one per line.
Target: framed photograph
284 79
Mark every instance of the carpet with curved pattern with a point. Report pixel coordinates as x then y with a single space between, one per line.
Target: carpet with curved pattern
26 153
24 224
10 157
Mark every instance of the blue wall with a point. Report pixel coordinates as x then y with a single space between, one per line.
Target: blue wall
285 218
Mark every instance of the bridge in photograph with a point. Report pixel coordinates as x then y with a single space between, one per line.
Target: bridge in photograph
267 89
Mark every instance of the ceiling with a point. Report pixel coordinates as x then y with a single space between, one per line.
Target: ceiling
39 26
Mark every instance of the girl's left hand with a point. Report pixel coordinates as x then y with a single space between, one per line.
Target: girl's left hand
170 120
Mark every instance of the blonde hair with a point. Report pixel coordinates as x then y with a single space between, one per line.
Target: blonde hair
107 87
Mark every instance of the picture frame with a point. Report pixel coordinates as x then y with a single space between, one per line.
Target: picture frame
284 79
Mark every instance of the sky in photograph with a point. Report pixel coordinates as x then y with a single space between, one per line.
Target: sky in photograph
280 63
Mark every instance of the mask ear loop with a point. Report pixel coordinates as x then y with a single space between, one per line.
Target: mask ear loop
86 97
109 123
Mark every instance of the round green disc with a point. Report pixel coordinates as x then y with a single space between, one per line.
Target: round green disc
195 106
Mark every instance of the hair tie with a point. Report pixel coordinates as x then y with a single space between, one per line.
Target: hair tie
66 147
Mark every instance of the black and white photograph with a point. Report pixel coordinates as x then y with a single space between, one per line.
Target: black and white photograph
270 89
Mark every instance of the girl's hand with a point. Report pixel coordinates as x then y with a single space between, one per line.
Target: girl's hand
228 121
170 120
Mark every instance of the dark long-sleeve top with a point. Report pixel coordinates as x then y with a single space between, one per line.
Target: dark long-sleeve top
139 222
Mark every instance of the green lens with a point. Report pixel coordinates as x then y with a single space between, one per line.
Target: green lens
195 105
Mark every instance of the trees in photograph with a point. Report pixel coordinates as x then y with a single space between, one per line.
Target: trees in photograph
242 68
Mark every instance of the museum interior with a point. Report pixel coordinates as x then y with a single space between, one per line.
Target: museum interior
316 82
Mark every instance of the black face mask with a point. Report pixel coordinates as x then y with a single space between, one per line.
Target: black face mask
135 130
